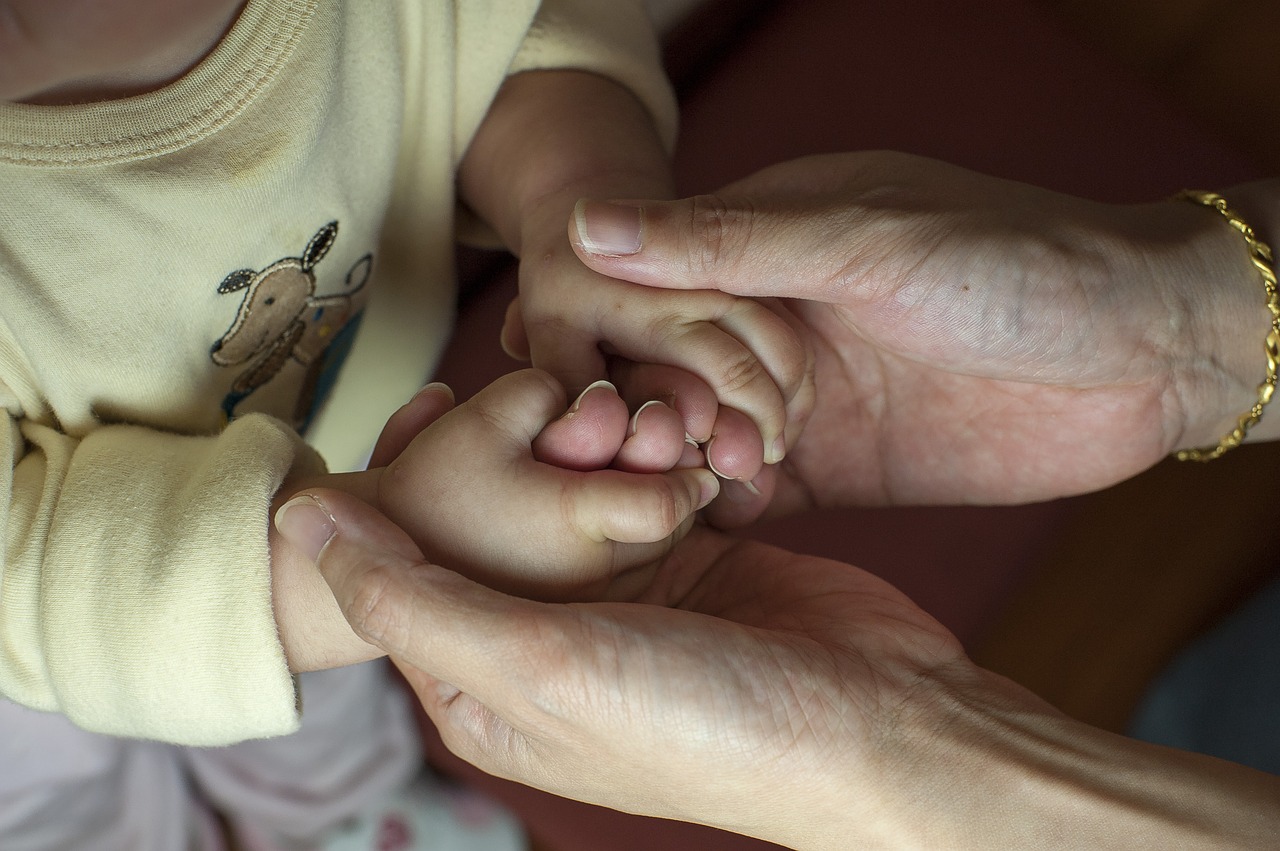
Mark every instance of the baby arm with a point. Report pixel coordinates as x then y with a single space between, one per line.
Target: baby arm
553 137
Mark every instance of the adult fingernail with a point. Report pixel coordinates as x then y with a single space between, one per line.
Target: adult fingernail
740 493
635 418
595 385
711 464
305 523
609 229
691 458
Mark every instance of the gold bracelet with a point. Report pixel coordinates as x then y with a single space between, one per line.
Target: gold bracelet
1260 252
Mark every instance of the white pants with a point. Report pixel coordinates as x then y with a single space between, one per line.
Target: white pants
64 788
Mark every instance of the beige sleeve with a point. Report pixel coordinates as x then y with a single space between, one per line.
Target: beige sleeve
135 588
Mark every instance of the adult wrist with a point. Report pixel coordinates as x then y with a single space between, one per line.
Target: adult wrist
1258 205
990 765
1220 317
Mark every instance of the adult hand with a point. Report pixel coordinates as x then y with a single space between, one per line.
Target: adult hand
976 340
785 697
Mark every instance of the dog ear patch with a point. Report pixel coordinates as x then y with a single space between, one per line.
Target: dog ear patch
319 246
237 280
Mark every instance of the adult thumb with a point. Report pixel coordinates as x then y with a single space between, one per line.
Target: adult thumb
733 243
396 600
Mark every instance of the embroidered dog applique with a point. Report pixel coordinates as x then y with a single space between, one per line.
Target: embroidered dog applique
282 320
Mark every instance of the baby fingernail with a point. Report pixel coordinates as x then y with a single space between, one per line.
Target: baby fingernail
609 229
778 451
305 523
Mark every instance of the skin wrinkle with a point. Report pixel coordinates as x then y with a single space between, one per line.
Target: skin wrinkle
1071 340
1198 371
542 645
1041 758
738 373
850 278
791 378
1201 371
993 320
1002 322
367 610
1182 336
718 232
576 514
885 439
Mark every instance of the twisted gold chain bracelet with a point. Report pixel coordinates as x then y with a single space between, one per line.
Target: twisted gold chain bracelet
1261 255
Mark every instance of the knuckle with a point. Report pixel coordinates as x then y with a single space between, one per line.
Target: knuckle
719 233
666 509
738 373
372 608
537 389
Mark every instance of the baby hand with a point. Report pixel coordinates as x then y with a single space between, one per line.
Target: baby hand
473 493
690 348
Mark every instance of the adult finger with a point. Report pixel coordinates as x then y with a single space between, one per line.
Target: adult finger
677 388
798 229
453 638
742 502
588 435
735 448
655 441
394 599
739 448
750 356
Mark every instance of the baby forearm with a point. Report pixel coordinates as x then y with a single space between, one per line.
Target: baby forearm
552 137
